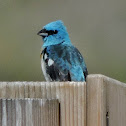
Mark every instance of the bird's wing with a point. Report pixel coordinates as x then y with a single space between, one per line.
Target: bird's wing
65 63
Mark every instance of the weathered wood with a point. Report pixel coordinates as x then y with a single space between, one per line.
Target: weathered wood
96 101
103 105
71 95
106 101
116 102
29 112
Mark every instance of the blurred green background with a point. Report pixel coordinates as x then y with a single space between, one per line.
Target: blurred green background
96 27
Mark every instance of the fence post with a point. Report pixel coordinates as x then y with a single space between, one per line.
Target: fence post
106 101
96 101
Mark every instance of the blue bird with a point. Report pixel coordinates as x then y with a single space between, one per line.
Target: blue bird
60 60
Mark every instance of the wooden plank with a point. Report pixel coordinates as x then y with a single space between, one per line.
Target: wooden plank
72 105
3 89
1 114
106 101
9 114
28 112
4 112
96 101
71 95
116 102
13 106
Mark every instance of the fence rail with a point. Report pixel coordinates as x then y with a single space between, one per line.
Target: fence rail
99 102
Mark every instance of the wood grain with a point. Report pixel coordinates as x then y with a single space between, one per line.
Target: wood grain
106 101
71 95
29 112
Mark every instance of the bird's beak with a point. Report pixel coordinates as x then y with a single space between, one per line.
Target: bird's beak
42 33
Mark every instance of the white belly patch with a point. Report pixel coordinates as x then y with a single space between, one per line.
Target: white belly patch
43 66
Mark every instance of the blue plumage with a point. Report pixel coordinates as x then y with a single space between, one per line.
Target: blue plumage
61 61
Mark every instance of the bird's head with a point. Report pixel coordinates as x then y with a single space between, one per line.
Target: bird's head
54 33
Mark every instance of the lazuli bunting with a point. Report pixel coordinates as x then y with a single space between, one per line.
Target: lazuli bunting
60 60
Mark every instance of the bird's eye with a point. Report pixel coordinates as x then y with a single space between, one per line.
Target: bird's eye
51 32
55 31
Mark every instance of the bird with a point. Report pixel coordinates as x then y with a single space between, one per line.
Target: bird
60 59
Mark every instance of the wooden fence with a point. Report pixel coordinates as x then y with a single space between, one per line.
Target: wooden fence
106 101
99 102
29 112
